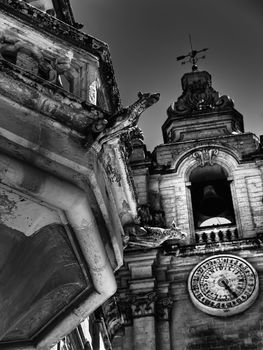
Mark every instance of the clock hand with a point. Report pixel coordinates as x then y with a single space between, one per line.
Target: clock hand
229 289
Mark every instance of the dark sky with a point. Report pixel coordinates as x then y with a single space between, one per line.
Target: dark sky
146 36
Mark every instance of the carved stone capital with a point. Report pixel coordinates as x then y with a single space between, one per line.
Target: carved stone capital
112 316
163 306
145 304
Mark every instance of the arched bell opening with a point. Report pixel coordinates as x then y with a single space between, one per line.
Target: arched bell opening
211 197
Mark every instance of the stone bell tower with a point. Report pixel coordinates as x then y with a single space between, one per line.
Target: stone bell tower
201 289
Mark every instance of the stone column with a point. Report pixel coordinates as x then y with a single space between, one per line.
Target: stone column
163 306
128 339
144 333
142 298
143 319
163 303
117 343
163 335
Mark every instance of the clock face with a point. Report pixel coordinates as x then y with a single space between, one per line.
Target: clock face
223 285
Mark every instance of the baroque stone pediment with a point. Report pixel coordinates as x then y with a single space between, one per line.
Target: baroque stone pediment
199 96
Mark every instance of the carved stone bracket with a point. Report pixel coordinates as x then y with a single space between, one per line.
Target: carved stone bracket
205 156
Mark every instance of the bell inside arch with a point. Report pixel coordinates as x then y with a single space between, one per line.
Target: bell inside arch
211 204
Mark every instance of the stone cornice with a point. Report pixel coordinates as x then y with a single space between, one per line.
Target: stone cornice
46 98
169 248
214 248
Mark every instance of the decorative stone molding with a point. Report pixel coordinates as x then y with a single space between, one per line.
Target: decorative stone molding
217 247
205 156
60 9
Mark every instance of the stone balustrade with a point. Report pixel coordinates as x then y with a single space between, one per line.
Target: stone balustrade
226 233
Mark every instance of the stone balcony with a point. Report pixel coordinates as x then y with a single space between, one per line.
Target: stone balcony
216 234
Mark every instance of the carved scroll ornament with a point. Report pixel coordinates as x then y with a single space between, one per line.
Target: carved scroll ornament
199 95
205 156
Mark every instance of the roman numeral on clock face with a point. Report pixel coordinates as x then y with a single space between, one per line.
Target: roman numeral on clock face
223 285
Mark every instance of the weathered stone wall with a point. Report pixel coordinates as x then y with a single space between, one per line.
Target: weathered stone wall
140 177
248 188
192 329
157 310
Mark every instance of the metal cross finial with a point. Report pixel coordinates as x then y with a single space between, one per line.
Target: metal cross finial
192 56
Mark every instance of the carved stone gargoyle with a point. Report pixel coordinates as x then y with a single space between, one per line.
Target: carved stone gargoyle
152 237
127 118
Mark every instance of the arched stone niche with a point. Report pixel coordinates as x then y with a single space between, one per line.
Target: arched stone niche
202 164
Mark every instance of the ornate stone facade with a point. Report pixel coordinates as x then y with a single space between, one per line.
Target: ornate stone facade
207 179
74 217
